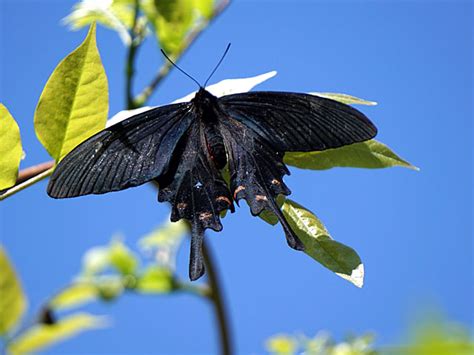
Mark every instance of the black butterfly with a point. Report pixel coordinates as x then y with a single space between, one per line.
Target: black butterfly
184 147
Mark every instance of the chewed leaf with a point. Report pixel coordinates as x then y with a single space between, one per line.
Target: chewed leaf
43 335
344 98
10 149
319 245
232 86
370 155
74 102
12 299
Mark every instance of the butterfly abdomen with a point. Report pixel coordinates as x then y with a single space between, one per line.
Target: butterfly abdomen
206 105
215 146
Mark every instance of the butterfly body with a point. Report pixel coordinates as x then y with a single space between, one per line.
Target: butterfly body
185 147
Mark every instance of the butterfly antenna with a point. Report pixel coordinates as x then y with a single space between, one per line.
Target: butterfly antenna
217 66
181 70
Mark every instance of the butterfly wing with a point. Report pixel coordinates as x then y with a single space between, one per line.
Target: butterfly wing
256 173
298 122
126 154
196 191
261 126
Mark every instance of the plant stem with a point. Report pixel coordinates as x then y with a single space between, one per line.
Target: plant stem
17 188
32 171
130 63
217 300
144 96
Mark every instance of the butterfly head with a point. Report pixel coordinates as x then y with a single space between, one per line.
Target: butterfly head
204 98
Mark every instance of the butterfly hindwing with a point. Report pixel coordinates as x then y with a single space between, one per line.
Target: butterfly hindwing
298 122
256 173
126 154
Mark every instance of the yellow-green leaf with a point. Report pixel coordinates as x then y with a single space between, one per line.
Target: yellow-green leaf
10 149
344 98
319 245
12 299
74 103
282 345
168 234
171 19
122 258
205 7
43 335
155 280
75 295
370 155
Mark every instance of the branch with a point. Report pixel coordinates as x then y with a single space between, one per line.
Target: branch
144 96
130 63
32 171
218 301
28 177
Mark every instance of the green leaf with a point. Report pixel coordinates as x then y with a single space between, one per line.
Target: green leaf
155 280
44 335
122 258
282 345
319 245
344 98
269 216
10 149
75 295
171 19
12 300
74 102
370 155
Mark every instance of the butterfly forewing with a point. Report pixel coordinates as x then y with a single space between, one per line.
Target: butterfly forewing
127 154
299 122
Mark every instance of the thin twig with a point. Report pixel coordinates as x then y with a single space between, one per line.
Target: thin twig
17 188
130 63
32 171
218 301
142 98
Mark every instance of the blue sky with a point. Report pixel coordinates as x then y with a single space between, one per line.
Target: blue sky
413 230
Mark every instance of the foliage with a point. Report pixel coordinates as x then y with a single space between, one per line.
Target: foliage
10 149
321 344
74 103
431 336
45 330
107 272
13 301
43 335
